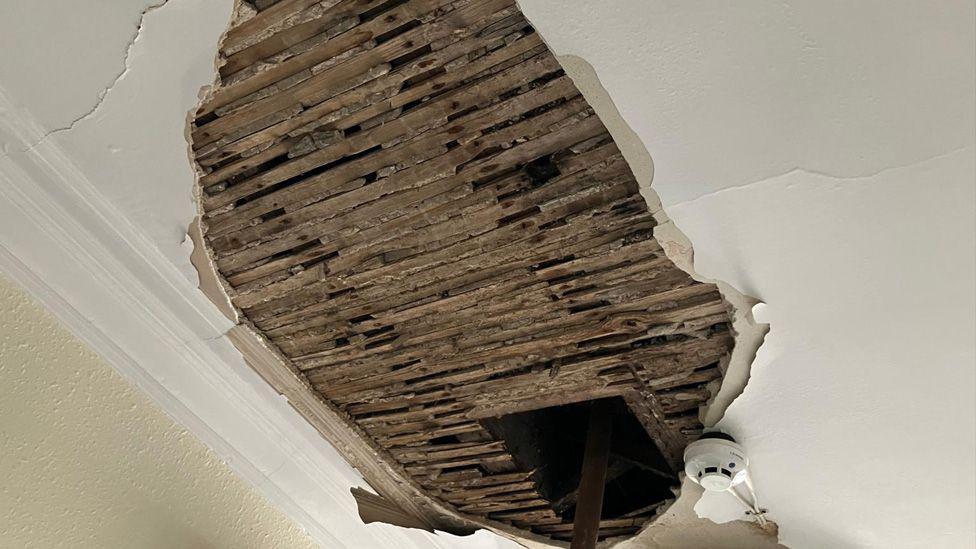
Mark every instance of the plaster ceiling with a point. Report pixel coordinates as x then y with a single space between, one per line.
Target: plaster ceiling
818 155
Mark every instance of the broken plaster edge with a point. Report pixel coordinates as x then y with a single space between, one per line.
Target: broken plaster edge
202 256
748 333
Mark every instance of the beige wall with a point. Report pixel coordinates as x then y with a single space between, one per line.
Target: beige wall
86 460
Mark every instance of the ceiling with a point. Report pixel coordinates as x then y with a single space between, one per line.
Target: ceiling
818 156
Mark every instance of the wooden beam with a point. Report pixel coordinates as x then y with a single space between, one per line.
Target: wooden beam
586 526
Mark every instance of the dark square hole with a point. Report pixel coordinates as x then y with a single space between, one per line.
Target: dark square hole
551 441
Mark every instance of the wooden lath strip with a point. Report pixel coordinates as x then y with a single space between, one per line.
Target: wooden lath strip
518 252
399 154
371 98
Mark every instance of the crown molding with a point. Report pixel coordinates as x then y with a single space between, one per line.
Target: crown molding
97 272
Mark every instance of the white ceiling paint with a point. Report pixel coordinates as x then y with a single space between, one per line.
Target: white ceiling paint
819 155
113 92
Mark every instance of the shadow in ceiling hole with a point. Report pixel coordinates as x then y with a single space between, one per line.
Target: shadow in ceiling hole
551 441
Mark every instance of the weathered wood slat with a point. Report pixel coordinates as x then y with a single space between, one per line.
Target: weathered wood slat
366 165
389 21
318 21
261 24
658 362
575 236
373 98
460 495
526 283
342 202
593 323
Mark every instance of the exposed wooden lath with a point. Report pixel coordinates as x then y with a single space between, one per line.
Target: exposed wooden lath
413 202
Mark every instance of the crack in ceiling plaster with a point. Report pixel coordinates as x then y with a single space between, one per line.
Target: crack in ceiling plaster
103 93
834 176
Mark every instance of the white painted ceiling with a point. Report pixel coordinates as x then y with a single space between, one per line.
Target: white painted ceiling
818 154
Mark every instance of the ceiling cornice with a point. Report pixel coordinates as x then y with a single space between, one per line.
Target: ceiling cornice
83 260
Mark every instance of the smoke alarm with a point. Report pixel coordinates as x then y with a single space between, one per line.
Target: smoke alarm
716 462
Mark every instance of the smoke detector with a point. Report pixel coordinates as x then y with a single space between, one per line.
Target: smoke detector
716 462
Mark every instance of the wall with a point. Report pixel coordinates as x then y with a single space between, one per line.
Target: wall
820 157
88 461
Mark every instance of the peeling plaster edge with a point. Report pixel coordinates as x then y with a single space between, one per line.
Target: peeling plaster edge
209 280
749 334
852 178
203 258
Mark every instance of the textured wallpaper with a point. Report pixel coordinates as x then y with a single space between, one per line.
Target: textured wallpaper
86 460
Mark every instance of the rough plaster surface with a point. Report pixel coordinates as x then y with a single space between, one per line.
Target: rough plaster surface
819 156
88 461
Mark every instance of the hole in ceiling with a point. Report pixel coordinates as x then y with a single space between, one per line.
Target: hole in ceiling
551 441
